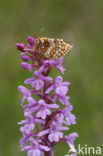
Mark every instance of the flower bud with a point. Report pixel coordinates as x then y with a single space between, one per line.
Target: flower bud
26 66
20 46
25 58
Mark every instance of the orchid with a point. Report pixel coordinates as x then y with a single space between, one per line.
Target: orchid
45 121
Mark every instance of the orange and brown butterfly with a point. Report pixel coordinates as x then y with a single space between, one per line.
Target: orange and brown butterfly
52 48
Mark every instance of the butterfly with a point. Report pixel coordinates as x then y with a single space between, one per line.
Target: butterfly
52 48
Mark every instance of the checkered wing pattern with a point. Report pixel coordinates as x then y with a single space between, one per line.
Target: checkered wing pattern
52 48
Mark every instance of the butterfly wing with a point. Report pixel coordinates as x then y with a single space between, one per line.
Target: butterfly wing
52 48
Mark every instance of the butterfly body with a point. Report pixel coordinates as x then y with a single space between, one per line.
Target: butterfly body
52 48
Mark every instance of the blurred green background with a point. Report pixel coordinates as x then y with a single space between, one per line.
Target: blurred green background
77 21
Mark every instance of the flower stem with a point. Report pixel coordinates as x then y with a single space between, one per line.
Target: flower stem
49 153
